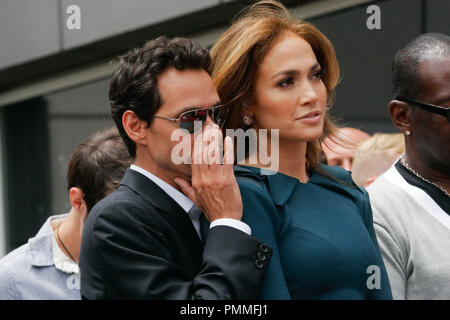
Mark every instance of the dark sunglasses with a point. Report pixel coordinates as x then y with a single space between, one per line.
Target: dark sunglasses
217 114
430 107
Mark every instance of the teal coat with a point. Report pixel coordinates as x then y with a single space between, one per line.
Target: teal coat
321 232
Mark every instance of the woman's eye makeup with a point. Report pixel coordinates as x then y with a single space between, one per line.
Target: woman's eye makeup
285 82
318 74
290 80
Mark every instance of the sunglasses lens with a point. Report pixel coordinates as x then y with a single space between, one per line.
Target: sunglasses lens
218 115
187 120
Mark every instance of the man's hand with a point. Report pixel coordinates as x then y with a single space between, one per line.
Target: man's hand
213 187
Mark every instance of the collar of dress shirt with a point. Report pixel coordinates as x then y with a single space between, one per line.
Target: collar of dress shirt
183 201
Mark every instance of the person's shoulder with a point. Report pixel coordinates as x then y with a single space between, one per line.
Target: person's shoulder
339 175
36 249
387 200
17 256
10 266
386 195
382 187
124 198
242 171
121 208
336 172
340 180
250 179
13 264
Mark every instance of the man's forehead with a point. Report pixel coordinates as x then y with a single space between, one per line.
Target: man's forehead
186 90
435 78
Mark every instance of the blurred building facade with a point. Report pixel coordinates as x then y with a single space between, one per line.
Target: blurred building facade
54 80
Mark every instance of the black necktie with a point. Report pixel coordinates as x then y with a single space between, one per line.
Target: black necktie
195 213
204 227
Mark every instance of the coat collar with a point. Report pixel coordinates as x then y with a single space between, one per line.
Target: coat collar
282 186
279 185
338 180
174 214
150 190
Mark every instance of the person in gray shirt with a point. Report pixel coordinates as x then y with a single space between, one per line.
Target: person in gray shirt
46 267
411 201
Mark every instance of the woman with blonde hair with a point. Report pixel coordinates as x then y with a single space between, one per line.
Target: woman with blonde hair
279 74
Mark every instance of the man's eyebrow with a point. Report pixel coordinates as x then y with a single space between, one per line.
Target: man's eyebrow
294 72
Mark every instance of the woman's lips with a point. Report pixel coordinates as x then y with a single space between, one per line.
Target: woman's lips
311 117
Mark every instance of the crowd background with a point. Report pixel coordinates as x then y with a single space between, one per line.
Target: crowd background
54 81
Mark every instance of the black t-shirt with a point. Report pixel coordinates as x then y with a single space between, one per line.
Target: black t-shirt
434 192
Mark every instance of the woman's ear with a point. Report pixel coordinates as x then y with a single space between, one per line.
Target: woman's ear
248 114
77 201
400 114
134 127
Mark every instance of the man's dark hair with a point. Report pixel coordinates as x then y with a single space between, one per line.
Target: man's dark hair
97 165
406 80
134 84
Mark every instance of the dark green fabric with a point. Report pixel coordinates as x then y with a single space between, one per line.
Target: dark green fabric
321 233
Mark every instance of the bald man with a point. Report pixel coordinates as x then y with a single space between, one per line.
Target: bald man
341 153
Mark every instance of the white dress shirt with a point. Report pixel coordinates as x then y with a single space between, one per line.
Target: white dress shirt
186 203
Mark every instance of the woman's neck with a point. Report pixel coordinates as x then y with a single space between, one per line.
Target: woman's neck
290 156
293 159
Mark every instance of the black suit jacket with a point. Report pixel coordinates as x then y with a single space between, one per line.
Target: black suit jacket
138 243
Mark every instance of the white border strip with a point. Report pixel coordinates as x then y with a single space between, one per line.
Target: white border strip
105 68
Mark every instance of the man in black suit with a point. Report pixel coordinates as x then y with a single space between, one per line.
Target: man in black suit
145 240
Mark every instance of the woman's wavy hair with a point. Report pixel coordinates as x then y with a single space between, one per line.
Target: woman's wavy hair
240 50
